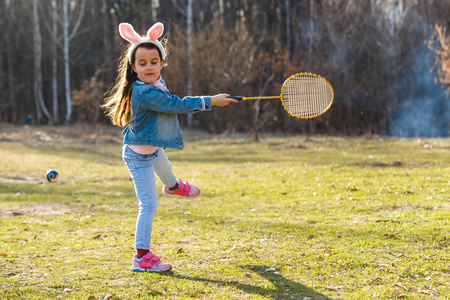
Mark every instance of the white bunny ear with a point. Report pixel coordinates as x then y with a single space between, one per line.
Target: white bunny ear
155 31
128 33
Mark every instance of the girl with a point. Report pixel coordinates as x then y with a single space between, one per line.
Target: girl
141 103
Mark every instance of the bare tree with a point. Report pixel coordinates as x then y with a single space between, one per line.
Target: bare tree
39 98
10 15
393 13
186 9
68 35
288 25
54 33
442 50
190 19
371 51
311 28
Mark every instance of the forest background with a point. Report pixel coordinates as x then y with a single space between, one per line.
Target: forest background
388 60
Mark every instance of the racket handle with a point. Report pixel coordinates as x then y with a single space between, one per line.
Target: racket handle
236 98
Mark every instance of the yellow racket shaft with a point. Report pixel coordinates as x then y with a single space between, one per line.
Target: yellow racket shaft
255 98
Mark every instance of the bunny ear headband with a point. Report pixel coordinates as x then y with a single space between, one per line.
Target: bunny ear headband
128 33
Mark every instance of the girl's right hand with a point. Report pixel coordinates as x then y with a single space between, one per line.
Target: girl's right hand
222 100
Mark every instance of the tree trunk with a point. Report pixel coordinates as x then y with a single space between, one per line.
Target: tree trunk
311 32
66 61
10 66
11 86
67 37
55 61
39 98
288 26
257 107
190 116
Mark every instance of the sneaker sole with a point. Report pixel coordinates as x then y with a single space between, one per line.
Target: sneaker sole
136 269
173 195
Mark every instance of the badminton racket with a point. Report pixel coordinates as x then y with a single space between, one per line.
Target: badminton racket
304 95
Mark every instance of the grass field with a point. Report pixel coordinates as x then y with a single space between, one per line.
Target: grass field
284 218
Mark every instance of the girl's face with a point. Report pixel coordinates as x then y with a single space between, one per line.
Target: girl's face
147 64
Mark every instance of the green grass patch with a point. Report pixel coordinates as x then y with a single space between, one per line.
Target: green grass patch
284 218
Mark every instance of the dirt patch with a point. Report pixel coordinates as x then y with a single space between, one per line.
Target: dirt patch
13 179
39 210
397 164
50 135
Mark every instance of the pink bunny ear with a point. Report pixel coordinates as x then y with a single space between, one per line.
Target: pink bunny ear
155 31
127 32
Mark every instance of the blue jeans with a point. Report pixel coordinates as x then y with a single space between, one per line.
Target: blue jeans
142 169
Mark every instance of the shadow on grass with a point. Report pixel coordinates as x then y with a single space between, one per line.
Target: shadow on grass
283 288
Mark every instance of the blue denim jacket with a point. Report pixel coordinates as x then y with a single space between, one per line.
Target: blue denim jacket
154 120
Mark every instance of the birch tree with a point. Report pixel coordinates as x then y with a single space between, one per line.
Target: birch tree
3 102
39 98
288 25
54 33
311 29
10 15
186 9
189 18
68 35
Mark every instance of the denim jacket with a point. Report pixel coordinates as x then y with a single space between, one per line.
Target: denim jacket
153 119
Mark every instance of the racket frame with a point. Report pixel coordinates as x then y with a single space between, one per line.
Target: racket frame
306 74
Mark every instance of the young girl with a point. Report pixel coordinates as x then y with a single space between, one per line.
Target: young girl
141 103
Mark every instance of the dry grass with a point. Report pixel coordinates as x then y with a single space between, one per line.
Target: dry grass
285 218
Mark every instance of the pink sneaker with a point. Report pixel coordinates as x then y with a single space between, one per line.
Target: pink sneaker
149 263
184 190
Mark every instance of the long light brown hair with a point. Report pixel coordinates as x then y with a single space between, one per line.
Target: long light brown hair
117 102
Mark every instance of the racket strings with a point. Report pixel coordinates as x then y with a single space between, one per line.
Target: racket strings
307 96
